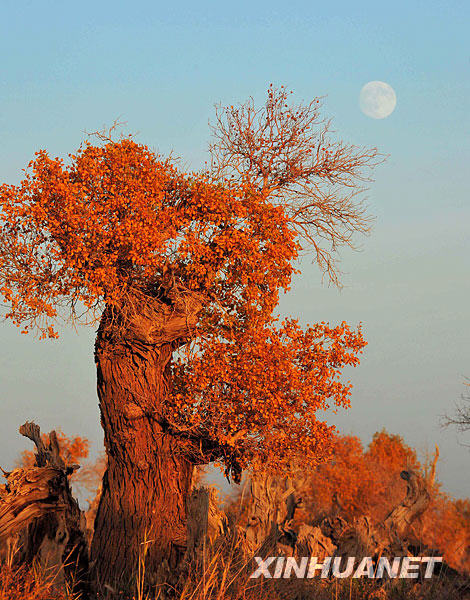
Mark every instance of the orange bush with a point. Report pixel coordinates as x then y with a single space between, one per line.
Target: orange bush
358 481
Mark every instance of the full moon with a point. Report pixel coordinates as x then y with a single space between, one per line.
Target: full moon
377 99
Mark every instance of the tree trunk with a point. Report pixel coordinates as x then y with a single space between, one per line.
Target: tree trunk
142 510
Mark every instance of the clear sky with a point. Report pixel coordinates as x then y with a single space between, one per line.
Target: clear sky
70 67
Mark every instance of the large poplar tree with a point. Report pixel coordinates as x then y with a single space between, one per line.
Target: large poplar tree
182 274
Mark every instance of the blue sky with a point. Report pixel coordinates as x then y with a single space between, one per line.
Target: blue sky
73 67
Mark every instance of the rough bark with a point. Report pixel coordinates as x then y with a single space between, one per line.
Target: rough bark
142 510
39 518
273 504
206 522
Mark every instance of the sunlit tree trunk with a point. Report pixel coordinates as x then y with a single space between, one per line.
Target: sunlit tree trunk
145 488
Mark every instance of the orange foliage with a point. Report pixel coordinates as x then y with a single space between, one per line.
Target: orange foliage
446 526
365 482
117 223
359 482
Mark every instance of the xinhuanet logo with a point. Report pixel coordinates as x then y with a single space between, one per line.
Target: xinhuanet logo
403 567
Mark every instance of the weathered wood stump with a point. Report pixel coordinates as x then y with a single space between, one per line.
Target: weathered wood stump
206 522
273 504
274 501
40 521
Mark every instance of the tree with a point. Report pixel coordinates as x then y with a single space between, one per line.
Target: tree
183 272
461 418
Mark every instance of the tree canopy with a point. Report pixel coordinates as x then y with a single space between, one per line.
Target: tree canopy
117 227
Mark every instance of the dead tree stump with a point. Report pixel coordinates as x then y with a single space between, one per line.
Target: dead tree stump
362 537
273 504
40 521
206 522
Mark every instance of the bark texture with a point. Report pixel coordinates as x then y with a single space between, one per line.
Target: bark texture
142 510
272 508
39 518
273 502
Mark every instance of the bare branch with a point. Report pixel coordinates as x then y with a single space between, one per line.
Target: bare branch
461 418
285 151
108 134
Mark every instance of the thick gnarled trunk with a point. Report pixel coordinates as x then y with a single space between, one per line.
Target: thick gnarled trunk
142 509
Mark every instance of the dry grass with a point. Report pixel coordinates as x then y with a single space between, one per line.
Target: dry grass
221 571
223 575
32 584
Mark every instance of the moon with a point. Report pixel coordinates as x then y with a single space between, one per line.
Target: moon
377 99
